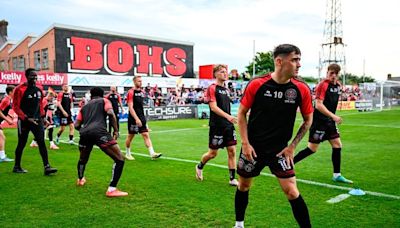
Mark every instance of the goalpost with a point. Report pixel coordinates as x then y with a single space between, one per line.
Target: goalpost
380 95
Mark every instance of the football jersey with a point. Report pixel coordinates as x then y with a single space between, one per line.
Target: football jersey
115 99
273 110
93 115
136 96
329 94
5 106
65 99
220 95
28 101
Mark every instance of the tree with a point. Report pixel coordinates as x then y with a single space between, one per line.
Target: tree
264 63
354 79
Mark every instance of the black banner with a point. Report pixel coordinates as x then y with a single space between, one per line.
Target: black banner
170 112
91 52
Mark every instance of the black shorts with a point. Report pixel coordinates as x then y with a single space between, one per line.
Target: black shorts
277 166
64 121
101 138
321 131
220 137
135 129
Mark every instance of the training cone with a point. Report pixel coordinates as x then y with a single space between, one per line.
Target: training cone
356 192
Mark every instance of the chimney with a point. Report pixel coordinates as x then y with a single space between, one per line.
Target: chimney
389 77
3 28
3 32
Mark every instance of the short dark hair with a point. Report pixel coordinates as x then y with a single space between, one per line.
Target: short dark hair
137 76
334 67
286 49
9 89
28 71
96 92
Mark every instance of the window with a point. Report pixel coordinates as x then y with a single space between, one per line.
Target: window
21 63
3 65
14 63
45 58
36 60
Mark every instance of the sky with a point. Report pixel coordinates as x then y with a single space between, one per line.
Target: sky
224 31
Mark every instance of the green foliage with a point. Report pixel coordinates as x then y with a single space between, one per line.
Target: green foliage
264 63
165 193
309 79
354 79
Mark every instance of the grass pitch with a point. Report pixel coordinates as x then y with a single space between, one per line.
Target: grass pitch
165 193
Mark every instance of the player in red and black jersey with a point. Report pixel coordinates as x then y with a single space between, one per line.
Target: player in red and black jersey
137 123
325 121
28 105
92 126
116 102
5 106
222 132
64 104
273 100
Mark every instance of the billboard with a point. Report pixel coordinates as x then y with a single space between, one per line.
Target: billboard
44 78
104 53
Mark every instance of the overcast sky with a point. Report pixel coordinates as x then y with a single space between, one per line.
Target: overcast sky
223 30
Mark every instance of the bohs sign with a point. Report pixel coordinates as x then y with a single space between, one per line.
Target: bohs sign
99 52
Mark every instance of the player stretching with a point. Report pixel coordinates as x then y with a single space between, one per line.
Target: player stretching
92 126
325 121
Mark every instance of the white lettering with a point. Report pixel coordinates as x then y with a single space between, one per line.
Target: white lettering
11 76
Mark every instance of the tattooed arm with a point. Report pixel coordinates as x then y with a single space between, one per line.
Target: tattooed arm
288 152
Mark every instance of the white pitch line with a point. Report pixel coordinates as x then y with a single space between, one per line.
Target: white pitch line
371 125
271 175
338 198
266 174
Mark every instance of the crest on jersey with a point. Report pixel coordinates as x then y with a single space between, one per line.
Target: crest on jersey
290 95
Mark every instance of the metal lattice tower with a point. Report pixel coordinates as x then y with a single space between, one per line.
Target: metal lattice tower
333 46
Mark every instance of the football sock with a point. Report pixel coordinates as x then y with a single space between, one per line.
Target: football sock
302 154
43 151
128 150
201 165
110 189
300 212
239 224
231 174
151 150
335 175
50 133
2 154
336 155
71 137
81 169
58 135
241 201
117 171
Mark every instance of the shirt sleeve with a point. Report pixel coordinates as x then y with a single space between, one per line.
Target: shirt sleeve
306 106
41 106
250 92
129 97
211 93
320 92
4 103
79 116
107 105
18 93
59 97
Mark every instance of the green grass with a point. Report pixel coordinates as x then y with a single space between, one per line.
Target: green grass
165 193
